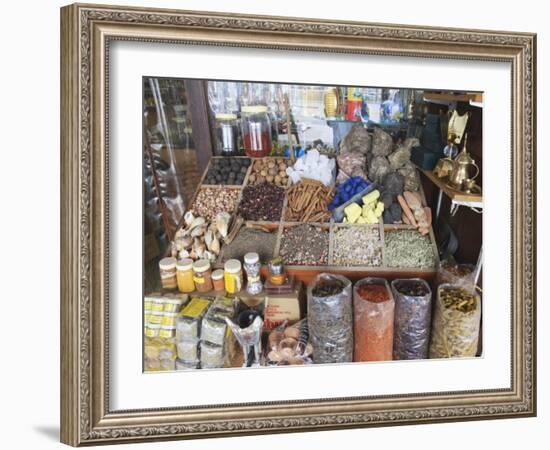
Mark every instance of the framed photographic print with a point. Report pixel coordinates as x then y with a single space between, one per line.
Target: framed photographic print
280 224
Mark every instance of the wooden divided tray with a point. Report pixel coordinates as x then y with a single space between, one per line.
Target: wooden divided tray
307 273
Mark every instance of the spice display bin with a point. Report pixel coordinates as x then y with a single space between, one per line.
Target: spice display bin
306 273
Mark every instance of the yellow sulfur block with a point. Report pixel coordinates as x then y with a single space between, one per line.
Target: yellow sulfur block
371 217
361 220
371 197
379 209
352 212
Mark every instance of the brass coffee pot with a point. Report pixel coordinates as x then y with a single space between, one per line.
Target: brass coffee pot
461 166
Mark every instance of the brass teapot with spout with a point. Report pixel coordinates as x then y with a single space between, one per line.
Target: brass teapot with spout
461 167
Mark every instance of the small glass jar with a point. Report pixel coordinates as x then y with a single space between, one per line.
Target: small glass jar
218 281
252 268
168 280
233 276
277 274
184 275
202 275
256 131
227 134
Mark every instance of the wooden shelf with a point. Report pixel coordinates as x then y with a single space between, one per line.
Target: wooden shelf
454 194
449 97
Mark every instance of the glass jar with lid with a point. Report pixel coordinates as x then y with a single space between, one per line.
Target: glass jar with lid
202 275
184 275
256 131
252 268
167 269
227 134
233 276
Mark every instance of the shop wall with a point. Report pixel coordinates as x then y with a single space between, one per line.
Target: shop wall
29 120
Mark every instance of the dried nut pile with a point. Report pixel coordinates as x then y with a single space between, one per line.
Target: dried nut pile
227 171
304 245
455 327
357 246
251 240
262 202
409 249
212 201
269 170
308 202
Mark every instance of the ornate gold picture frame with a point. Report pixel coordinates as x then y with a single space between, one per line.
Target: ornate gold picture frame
86 34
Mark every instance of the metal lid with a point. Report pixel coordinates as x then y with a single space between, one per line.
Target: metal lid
226 116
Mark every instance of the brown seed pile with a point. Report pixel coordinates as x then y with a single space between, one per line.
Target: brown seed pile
251 240
262 202
304 245
357 246
308 202
211 201
269 170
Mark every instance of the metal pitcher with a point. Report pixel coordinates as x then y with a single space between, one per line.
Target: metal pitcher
461 166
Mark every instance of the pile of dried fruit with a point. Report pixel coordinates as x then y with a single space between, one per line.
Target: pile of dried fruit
227 171
304 245
357 246
308 202
212 201
269 170
262 202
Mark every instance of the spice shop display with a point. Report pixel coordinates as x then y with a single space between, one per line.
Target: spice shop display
408 248
456 321
413 307
309 240
357 246
262 202
373 315
308 201
330 318
230 171
305 245
269 170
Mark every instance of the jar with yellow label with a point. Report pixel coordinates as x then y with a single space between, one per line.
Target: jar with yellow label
233 276
202 275
168 280
184 275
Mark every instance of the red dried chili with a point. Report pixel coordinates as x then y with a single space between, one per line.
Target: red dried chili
373 293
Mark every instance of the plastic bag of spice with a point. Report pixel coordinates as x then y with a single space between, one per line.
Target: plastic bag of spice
450 272
373 310
330 318
412 323
455 326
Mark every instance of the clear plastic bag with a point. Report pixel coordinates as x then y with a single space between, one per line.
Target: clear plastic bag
289 345
412 322
456 322
330 320
212 355
373 310
450 272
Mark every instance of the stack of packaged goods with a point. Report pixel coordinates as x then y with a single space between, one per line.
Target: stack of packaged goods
160 328
201 333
